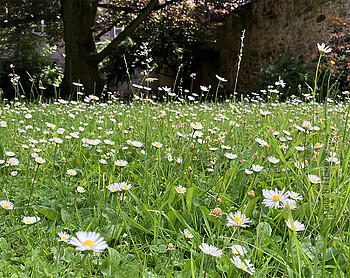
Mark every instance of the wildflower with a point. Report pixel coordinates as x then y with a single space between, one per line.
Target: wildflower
170 247
300 148
6 205
80 189
180 189
243 264
157 145
196 125
296 226
120 163
323 49
299 165
216 212
88 241
220 78
40 160
30 220
289 203
318 146
273 159
13 161
238 250
295 196
210 250
231 156
307 125
125 186
71 172
314 179
274 198
169 157
248 172
114 187
187 234
64 237
14 173
251 194
10 153
237 220
257 168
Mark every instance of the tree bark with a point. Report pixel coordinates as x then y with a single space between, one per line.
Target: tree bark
79 19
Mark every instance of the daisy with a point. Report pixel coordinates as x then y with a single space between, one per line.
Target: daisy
180 189
10 153
6 205
71 172
231 155
30 220
299 165
237 220
40 160
13 161
274 198
196 125
120 163
243 264
257 168
289 203
220 78
64 237
238 250
295 196
14 173
88 241
273 159
323 49
125 186
248 172
157 145
80 189
296 225
187 234
210 250
114 187
314 179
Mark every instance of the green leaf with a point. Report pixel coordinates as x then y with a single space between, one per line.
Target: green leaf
49 213
264 228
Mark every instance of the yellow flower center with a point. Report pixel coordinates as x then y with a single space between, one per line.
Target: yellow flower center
88 242
179 190
207 251
276 198
243 266
120 163
293 196
113 188
187 235
29 222
6 207
64 237
237 219
295 227
125 186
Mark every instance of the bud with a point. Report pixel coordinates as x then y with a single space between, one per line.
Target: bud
216 212
218 201
251 194
171 247
63 160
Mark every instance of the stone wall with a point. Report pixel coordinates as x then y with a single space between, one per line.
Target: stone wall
271 25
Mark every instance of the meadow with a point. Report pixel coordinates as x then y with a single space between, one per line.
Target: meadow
250 187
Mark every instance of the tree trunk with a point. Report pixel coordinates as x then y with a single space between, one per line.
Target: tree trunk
79 19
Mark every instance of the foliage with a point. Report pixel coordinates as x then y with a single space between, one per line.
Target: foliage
338 62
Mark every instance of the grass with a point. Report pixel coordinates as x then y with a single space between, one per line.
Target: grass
142 225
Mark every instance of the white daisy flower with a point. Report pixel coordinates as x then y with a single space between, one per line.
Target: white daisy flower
257 168
237 220
120 163
231 155
157 145
80 189
88 241
314 179
64 237
243 264
187 234
296 225
274 198
322 48
238 250
6 205
71 172
210 250
273 159
180 189
295 196
30 220
40 160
